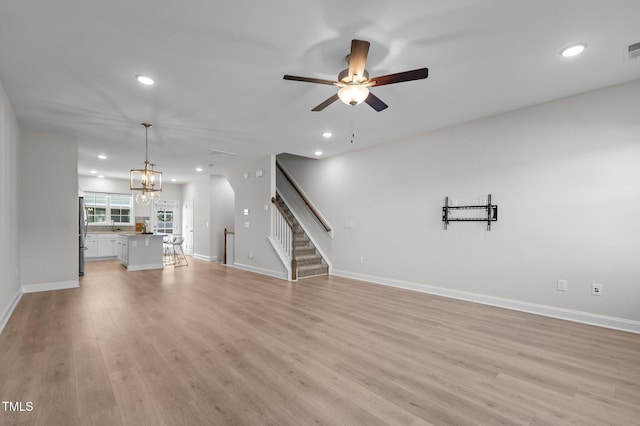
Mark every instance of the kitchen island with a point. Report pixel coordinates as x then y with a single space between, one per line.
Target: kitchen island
139 252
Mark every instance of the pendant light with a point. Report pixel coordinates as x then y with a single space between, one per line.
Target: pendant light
147 180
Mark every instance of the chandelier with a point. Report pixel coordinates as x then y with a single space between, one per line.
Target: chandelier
147 180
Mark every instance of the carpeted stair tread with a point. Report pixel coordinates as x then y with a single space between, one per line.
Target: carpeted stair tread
309 259
310 262
312 270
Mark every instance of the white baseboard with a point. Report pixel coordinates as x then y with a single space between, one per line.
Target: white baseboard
257 270
285 262
206 258
4 319
59 285
516 305
145 267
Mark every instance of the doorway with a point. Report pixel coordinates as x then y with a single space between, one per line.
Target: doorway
165 217
187 215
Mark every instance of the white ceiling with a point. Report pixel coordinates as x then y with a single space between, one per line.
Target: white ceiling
68 66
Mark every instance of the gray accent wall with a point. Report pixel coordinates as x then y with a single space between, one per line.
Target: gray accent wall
566 178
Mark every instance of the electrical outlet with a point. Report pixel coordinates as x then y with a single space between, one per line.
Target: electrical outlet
361 260
562 285
596 289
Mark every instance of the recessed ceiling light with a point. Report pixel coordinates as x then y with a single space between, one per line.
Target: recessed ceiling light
101 176
143 79
102 157
327 134
318 153
199 169
573 50
93 172
174 180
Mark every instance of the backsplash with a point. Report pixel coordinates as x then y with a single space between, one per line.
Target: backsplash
119 228
95 229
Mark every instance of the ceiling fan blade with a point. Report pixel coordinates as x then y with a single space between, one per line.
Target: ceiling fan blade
309 80
358 57
326 103
418 74
375 102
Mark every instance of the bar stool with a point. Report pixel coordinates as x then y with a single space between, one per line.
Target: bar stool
168 254
179 257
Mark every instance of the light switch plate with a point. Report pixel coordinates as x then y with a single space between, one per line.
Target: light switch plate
562 285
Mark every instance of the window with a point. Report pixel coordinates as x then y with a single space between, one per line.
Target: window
108 208
165 219
120 207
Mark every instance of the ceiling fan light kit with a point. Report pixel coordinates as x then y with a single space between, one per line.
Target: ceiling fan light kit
353 94
146 180
354 82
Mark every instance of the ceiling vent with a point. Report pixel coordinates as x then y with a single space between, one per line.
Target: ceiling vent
633 51
219 153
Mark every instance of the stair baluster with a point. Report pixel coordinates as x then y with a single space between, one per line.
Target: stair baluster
284 233
305 261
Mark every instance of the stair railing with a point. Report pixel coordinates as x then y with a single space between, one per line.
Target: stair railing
304 198
283 231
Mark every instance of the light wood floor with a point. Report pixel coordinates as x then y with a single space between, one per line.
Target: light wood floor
209 345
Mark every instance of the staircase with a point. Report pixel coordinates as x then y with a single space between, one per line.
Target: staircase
310 262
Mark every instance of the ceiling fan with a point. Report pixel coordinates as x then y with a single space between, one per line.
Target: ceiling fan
354 82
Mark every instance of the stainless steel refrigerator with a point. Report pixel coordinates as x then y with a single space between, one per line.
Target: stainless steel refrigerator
83 222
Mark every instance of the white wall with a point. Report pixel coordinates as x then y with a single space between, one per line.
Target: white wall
253 251
213 201
564 174
213 207
48 210
9 219
121 186
199 192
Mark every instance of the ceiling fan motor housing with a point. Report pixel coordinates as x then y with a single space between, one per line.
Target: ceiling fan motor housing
346 78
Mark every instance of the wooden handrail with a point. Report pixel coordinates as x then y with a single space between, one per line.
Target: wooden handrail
284 215
294 262
295 186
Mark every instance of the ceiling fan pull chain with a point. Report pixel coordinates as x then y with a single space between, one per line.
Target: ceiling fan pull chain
353 124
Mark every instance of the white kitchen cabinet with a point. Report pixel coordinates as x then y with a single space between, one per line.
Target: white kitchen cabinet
123 250
101 246
91 244
141 252
107 246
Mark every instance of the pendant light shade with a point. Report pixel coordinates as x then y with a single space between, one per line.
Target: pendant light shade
146 180
353 94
